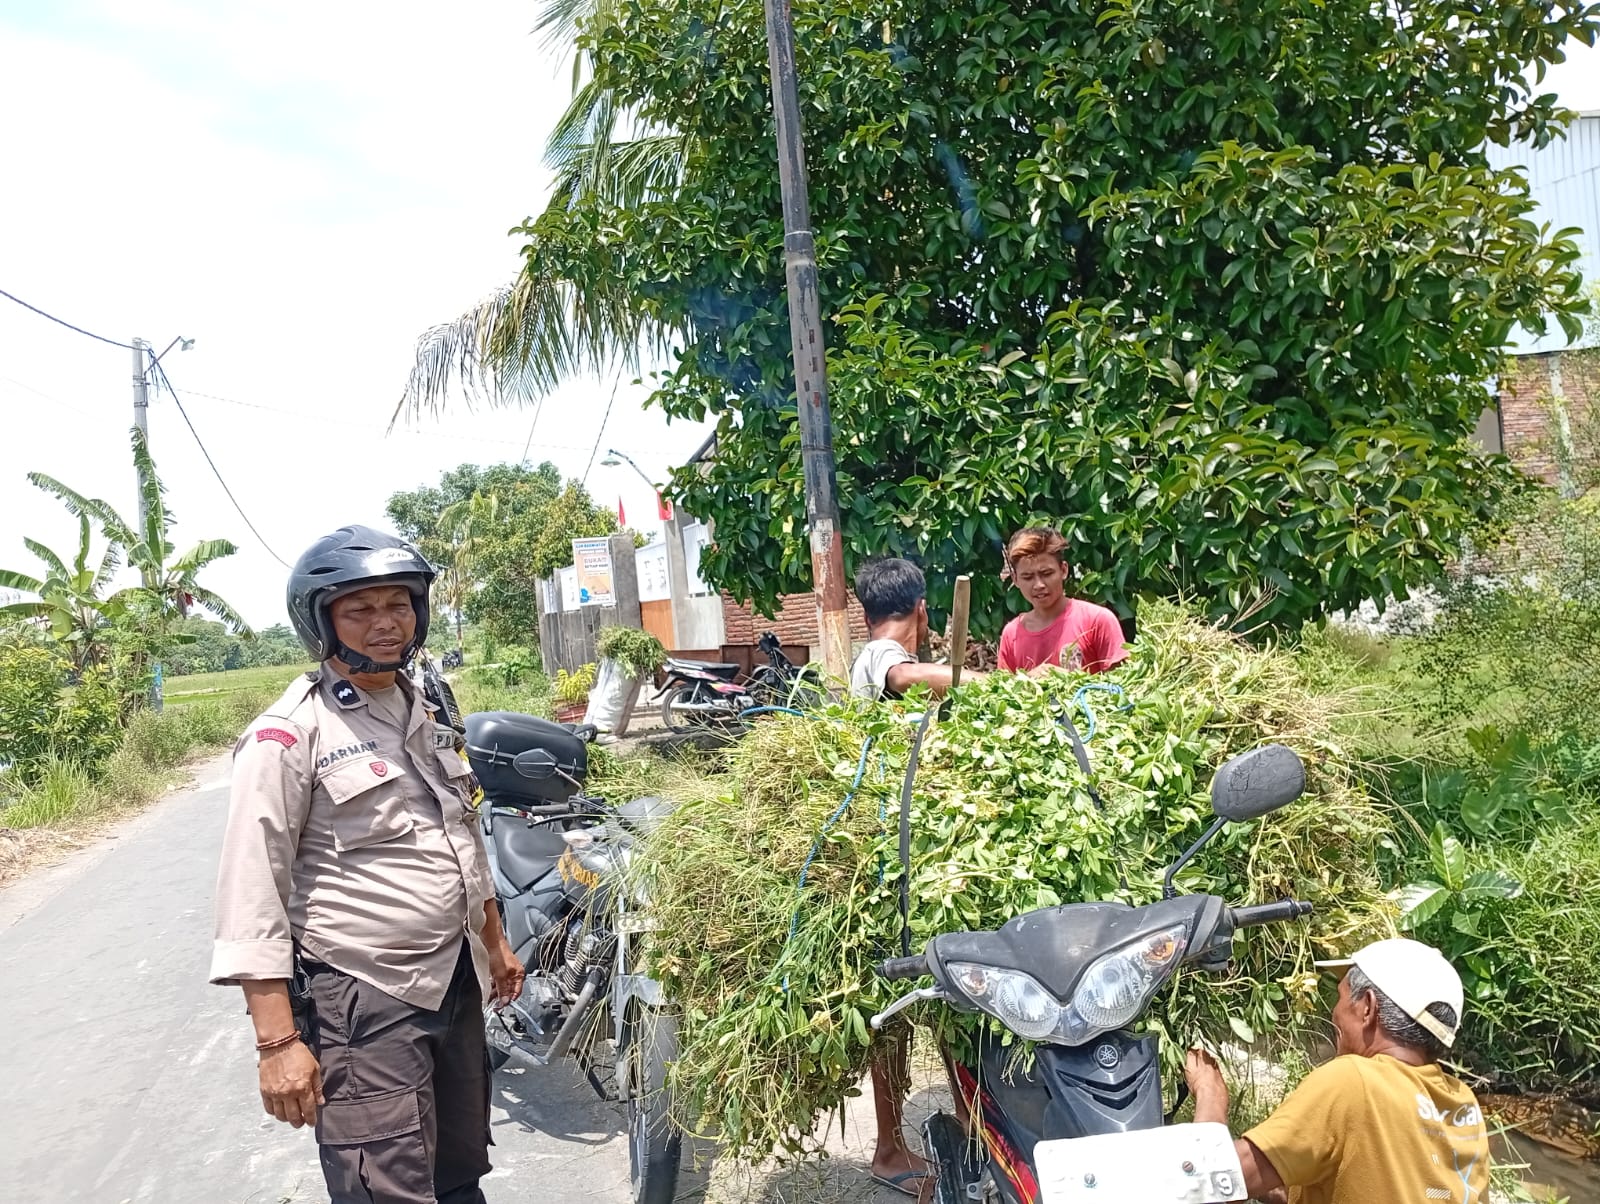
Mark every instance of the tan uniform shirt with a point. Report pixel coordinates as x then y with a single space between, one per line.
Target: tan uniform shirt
353 840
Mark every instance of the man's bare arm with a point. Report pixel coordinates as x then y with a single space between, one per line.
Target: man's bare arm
902 677
290 1079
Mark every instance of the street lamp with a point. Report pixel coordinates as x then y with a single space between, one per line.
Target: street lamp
616 459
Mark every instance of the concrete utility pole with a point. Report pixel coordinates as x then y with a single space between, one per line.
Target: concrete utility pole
141 412
805 331
141 419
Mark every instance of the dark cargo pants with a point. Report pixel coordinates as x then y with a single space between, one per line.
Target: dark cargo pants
407 1114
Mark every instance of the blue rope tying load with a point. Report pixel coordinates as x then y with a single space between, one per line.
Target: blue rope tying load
816 847
1082 704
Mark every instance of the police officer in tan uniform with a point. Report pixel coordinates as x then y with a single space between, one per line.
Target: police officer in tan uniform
354 903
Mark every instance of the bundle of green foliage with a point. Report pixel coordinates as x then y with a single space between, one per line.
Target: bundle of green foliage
775 885
638 652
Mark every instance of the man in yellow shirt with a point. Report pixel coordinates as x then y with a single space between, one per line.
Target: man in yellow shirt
1382 1122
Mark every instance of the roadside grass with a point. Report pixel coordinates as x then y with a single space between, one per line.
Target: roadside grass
148 762
192 687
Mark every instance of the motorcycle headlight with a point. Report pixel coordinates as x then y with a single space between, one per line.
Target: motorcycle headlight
1115 987
1110 995
1016 999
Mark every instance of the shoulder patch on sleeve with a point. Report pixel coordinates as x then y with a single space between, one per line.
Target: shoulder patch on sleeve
287 739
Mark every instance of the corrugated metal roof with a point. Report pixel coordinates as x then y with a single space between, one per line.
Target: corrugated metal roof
1564 179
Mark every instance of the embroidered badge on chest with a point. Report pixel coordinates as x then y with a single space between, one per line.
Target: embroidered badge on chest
380 768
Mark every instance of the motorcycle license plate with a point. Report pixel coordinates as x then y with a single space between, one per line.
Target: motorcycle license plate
1178 1164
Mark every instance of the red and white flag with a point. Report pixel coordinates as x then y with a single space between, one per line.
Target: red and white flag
622 518
663 509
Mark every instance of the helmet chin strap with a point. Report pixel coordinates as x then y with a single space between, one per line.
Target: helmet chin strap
358 662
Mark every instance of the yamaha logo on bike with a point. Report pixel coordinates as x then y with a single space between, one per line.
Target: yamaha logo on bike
1106 1056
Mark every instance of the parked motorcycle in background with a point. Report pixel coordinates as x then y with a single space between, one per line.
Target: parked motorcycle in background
1084 1122
701 695
558 858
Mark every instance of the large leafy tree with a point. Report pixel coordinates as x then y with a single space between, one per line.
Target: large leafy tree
493 532
1216 287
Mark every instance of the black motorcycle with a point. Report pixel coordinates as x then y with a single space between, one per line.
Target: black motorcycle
1085 1121
558 856
707 694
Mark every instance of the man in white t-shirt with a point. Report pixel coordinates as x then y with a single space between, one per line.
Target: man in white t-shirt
893 594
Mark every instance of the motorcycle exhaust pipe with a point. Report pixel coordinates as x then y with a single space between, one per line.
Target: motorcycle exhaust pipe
565 1036
720 708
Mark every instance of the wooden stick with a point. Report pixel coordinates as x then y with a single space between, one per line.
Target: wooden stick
959 615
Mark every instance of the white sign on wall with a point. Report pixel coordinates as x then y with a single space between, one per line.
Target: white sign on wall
592 560
569 587
696 538
651 563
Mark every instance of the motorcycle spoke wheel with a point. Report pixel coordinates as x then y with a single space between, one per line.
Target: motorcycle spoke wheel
683 722
655 1145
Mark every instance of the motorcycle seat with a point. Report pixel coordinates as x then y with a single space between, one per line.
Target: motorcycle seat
718 668
644 815
526 854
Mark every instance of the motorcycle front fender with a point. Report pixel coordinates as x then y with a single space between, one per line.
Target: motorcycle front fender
641 987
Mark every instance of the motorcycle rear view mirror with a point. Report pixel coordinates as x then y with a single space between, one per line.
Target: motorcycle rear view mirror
535 763
1248 786
1257 783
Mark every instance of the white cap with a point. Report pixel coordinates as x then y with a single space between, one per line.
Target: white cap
1415 976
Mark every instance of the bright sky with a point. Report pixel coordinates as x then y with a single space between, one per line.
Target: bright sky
302 188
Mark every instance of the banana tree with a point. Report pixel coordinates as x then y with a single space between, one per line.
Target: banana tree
70 597
168 583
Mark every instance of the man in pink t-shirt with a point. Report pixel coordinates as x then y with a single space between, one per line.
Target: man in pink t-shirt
1059 631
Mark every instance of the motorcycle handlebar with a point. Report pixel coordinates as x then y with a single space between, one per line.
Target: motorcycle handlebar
1270 913
903 967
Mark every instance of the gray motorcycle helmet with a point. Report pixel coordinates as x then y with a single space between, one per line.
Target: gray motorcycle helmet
354 558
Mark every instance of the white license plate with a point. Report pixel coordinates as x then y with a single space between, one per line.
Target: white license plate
1178 1164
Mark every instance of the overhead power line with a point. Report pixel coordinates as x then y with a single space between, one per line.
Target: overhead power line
601 433
162 373
378 428
63 322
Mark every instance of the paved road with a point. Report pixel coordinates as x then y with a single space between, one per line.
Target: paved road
127 1079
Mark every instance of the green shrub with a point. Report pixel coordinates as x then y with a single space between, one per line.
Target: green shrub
43 719
148 760
570 688
1529 962
1518 633
532 697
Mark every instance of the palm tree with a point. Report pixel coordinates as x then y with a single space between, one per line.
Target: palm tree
168 581
70 598
528 336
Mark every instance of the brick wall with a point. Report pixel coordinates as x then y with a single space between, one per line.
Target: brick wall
1526 389
795 622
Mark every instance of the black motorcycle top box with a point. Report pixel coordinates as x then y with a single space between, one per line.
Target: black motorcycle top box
495 741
